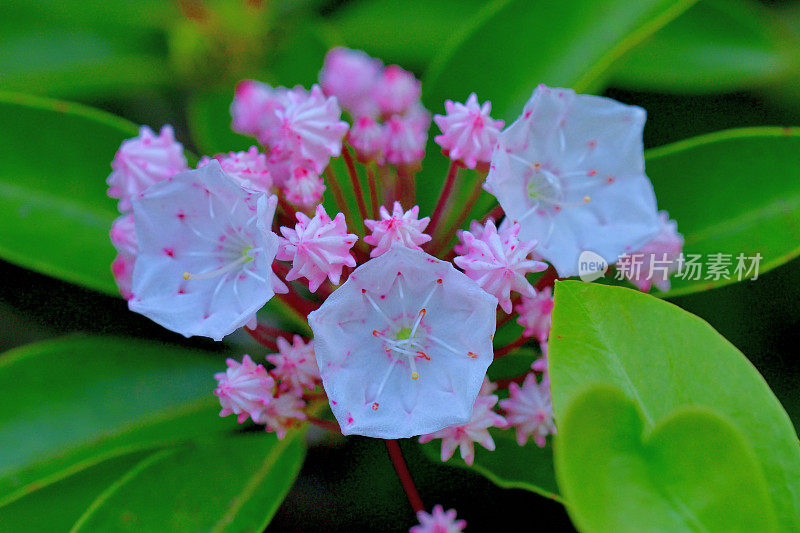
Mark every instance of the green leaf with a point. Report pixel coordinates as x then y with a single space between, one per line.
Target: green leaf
511 46
65 500
57 213
717 45
232 483
72 62
56 157
510 465
512 364
372 26
209 119
664 359
74 402
693 471
731 192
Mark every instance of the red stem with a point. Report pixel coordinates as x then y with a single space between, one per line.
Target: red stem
339 197
464 212
373 191
396 455
324 424
494 214
261 339
502 322
447 190
298 303
510 347
351 169
548 279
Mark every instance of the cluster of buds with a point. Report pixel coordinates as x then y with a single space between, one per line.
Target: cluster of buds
390 124
403 309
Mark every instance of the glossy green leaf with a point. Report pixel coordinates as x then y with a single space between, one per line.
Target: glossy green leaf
372 26
66 500
510 465
733 192
693 471
74 402
56 157
511 46
664 359
717 45
209 118
232 483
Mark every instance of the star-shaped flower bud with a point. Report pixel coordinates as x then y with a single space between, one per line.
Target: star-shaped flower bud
307 127
253 102
396 90
283 412
295 364
464 436
469 134
653 263
244 389
530 410
398 228
247 390
403 345
534 314
439 521
404 140
123 237
318 248
350 76
304 188
143 161
368 138
498 261
249 169
570 170
205 253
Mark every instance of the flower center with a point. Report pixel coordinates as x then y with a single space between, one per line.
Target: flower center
242 258
543 186
406 344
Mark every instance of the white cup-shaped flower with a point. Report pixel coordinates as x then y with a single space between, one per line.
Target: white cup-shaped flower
205 253
403 345
570 170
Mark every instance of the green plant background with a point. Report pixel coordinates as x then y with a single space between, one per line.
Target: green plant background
697 67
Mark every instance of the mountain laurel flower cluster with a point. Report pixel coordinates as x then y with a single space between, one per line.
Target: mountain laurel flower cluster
389 121
391 319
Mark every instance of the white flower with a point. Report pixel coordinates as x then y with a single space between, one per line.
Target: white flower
403 345
570 170
205 253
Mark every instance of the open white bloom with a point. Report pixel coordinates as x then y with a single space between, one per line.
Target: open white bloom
570 170
403 345
205 253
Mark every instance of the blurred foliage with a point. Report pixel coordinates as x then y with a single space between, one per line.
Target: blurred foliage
697 67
